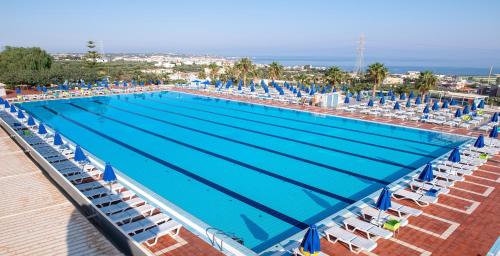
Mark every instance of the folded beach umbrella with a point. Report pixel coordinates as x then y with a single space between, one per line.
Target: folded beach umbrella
396 106
383 201
408 103
310 245
479 142
18 90
334 89
418 100
494 117
79 155
89 86
380 94
346 100
389 93
426 174
494 132
427 99
382 100
358 97
393 97
445 104
294 90
239 85
453 102
323 90
1 100
435 106
13 109
299 94
44 88
370 103
412 95
481 104
38 88
426 109
454 155
41 129
109 175
57 139
402 96
20 114
466 110
312 92
31 121
6 104
473 107
458 113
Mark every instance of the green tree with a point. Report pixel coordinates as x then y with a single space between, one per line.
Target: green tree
335 75
301 78
202 75
92 56
426 81
275 70
20 65
245 67
377 72
213 71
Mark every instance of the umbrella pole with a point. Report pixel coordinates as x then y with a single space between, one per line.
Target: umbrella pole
378 217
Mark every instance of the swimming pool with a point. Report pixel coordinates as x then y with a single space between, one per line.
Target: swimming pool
260 173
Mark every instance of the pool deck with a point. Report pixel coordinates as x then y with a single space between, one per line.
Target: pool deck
464 222
35 217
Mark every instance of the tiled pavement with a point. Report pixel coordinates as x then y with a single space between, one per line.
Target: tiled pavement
464 222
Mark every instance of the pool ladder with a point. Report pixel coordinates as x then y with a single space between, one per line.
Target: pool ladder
216 232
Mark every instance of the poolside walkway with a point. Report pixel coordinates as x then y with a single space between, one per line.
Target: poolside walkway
35 217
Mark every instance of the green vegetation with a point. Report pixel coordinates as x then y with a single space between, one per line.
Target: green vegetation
377 72
426 82
275 70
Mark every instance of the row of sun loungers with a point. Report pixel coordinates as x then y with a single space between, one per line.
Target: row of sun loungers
135 217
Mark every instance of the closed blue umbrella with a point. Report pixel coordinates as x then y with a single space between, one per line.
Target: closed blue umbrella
57 139
252 88
334 89
481 104
466 110
358 97
393 97
239 85
383 201
323 90
6 104
458 113
426 109
370 103
31 121
310 245
418 100
396 106
38 88
380 94
445 104
494 117
109 175
312 91
473 107
412 95
494 132
435 106
426 174
427 99
41 129
382 101
453 102
79 155
408 103
13 109
20 114
299 94
18 90
402 96
346 100
479 142
454 155
1 100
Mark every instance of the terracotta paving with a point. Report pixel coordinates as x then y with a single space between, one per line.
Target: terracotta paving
453 226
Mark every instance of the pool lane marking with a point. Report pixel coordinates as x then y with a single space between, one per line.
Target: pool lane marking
308 122
233 194
253 131
297 129
272 151
228 159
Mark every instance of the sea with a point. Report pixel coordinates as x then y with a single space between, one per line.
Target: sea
394 65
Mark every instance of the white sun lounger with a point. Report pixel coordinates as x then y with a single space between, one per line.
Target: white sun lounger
143 224
84 175
369 229
421 200
133 213
453 170
418 185
122 206
356 244
448 176
369 213
98 184
404 211
170 227
113 198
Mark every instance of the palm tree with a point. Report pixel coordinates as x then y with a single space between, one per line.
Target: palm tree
335 75
275 70
245 67
426 82
301 78
377 72
202 75
213 71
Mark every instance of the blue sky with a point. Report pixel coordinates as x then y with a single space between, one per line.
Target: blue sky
456 32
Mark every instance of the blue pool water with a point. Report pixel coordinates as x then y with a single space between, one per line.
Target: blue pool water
261 173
